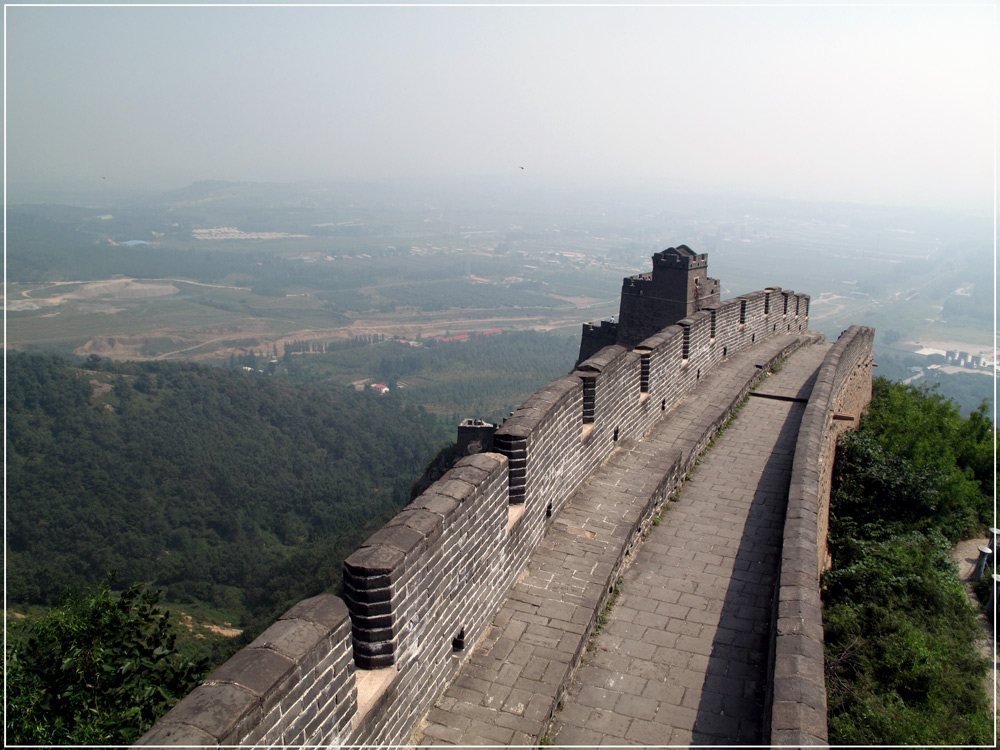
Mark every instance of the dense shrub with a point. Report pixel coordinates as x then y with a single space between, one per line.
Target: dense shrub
914 464
98 669
901 663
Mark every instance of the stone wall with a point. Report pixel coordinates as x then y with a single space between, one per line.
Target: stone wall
295 682
797 693
439 570
421 591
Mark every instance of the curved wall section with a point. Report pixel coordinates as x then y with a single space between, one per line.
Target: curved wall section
797 693
421 591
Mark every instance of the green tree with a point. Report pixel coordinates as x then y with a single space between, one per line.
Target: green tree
914 464
100 668
899 632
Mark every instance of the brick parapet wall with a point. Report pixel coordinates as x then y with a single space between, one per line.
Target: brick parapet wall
797 691
295 681
438 545
442 566
446 588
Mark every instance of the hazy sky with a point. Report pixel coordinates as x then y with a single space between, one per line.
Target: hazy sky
886 104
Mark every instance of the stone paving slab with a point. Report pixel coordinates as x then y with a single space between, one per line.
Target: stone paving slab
798 374
711 566
507 690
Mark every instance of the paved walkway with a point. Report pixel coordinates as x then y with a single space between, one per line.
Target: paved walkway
686 655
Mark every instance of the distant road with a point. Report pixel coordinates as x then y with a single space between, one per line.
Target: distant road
45 285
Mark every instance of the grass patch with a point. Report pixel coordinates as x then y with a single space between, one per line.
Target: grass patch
602 616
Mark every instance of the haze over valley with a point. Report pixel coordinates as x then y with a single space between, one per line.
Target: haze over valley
259 261
217 270
262 260
208 181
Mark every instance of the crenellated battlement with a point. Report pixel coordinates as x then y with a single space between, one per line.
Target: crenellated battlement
680 257
421 591
676 288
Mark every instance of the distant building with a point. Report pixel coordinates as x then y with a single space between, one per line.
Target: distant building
380 387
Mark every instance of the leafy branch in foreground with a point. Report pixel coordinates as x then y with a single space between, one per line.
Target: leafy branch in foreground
100 668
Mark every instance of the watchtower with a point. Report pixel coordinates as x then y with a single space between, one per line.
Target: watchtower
677 287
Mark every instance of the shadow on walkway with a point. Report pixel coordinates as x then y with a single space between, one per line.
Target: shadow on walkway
731 708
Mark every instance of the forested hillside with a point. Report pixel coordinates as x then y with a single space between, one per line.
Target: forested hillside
901 663
225 488
485 376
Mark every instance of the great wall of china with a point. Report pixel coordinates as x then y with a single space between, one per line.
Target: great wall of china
420 593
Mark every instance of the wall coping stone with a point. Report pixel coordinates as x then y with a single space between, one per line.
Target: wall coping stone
602 359
538 406
427 523
663 337
407 540
456 489
798 602
258 670
292 639
488 462
472 474
323 609
693 318
517 427
216 709
552 394
442 505
375 560
167 732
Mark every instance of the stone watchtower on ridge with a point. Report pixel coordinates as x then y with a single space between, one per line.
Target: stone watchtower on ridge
677 287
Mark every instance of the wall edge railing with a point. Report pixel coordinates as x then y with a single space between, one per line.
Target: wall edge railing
796 701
